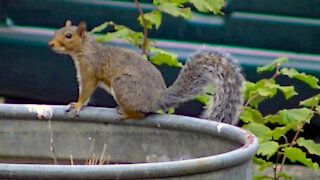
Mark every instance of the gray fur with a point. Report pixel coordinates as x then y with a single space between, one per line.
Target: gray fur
203 69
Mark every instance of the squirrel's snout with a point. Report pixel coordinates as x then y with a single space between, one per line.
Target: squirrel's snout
51 44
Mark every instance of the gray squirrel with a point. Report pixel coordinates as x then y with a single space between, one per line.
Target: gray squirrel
138 86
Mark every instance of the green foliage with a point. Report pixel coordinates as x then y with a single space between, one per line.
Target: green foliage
296 116
312 147
308 79
251 115
208 5
273 64
163 57
261 131
175 11
268 148
283 121
152 20
296 154
262 163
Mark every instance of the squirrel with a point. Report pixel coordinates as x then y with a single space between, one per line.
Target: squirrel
137 85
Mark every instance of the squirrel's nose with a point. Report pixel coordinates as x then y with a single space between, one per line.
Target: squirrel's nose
51 44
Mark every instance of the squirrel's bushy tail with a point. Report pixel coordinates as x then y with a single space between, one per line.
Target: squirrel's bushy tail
204 69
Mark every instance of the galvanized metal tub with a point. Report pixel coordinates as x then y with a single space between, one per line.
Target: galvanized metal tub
157 147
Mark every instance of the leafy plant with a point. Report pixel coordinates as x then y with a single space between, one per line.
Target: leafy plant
153 19
283 121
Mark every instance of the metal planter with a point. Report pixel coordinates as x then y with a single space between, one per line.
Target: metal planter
157 147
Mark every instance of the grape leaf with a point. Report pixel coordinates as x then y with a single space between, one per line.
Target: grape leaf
250 115
308 79
271 66
279 131
296 154
262 90
268 148
163 57
310 145
262 163
288 91
285 176
262 177
313 101
124 33
261 131
174 10
101 27
208 5
152 18
296 115
274 119
318 109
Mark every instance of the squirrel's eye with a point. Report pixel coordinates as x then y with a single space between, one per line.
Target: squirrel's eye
68 36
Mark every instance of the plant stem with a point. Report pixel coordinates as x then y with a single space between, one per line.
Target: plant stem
276 74
145 30
53 152
297 133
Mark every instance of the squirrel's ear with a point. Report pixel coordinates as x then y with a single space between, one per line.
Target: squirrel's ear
81 29
68 23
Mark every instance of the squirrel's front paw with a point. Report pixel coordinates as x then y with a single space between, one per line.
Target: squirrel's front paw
74 109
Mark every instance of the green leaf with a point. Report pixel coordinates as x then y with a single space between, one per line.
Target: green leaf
285 176
288 91
262 177
124 33
173 2
268 148
279 131
163 57
271 66
296 154
310 145
174 10
249 87
261 163
318 109
313 101
204 99
308 79
208 5
296 115
274 119
101 27
250 115
261 91
152 18
261 131
171 111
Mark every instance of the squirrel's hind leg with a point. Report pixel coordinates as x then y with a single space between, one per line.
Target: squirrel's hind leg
128 114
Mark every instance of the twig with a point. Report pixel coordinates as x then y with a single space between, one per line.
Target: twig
145 29
52 144
71 160
297 134
276 74
90 150
102 154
